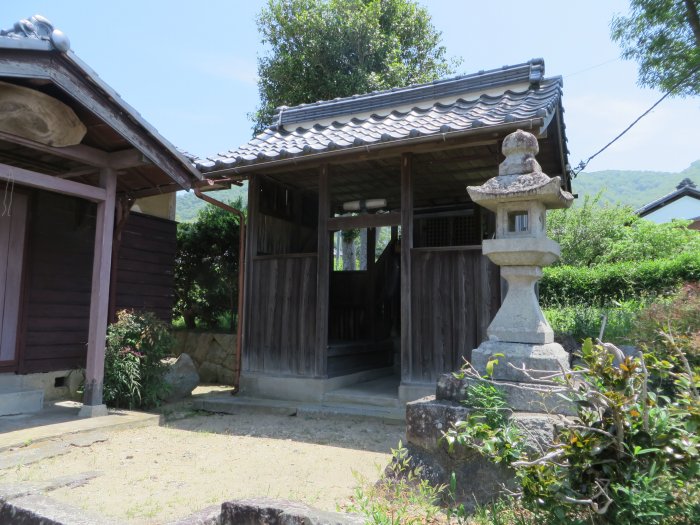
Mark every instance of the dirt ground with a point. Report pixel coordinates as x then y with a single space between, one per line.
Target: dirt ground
159 474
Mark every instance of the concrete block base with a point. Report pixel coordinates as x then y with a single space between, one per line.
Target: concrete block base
306 389
19 401
93 411
412 391
541 359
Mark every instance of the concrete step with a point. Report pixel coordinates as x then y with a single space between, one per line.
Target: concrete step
238 405
355 396
20 401
387 414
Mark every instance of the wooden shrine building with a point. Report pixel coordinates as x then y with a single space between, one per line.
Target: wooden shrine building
74 160
402 159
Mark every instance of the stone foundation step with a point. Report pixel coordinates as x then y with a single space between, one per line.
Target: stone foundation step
387 414
237 405
355 396
20 401
228 404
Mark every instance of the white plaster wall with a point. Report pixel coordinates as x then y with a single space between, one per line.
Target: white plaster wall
684 208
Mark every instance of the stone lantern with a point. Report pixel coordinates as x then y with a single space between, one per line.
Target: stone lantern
520 196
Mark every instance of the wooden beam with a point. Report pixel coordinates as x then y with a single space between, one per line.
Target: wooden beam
323 272
128 158
374 220
119 160
80 152
99 298
406 247
50 183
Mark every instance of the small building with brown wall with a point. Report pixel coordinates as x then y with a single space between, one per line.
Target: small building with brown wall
402 159
75 159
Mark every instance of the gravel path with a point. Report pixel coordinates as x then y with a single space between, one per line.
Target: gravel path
158 474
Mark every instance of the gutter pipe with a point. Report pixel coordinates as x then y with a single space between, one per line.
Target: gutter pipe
241 273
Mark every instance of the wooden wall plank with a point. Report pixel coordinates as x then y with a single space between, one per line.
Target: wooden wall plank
146 265
453 303
282 337
59 265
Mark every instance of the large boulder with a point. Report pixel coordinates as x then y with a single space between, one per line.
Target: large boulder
182 377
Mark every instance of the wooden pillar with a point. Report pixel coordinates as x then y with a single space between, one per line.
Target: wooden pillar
406 247
99 298
323 273
372 273
250 356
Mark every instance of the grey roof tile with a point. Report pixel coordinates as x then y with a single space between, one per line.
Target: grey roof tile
323 127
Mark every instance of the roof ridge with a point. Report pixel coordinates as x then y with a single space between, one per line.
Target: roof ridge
531 71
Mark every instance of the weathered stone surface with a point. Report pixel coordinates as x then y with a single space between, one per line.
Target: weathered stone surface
182 377
36 509
214 355
209 516
520 318
266 511
539 360
427 419
521 397
210 372
478 479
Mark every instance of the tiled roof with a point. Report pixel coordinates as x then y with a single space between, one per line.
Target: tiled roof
685 188
485 99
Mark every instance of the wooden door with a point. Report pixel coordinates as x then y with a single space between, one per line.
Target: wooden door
12 232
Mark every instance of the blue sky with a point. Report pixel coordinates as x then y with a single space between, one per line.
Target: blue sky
190 68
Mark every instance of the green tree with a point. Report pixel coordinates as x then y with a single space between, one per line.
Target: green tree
591 234
323 49
206 267
663 36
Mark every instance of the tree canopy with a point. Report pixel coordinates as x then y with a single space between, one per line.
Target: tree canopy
590 234
206 267
323 49
663 36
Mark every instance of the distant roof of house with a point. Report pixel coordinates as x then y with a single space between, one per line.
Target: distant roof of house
685 188
380 119
36 37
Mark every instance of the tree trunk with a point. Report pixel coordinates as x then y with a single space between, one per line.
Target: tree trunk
363 249
693 19
348 253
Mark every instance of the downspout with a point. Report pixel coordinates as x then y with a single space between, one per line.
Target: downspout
241 272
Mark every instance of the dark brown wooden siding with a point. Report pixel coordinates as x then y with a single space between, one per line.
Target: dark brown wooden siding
455 294
282 316
58 279
146 265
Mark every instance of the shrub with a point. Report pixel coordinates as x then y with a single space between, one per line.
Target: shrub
601 285
582 321
630 458
136 343
399 497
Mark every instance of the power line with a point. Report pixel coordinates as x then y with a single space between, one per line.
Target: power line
582 165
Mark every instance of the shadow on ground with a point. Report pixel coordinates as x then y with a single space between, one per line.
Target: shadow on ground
358 434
